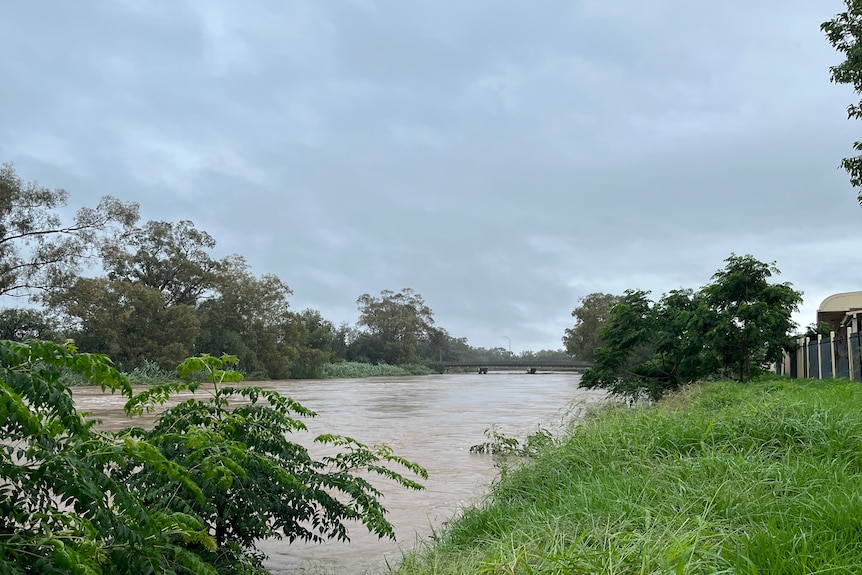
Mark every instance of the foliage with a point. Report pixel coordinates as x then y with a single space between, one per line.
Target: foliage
396 324
169 257
250 316
353 369
719 478
131 322
256 483
61 508
583 339
150 373
37 250
738 321
21 324
502 445
822 328
651 347
844 32
753 316
192 495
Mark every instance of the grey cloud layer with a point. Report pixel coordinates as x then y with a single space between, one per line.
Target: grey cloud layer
503 159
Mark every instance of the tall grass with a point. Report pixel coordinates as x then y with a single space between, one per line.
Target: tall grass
761 478
352 369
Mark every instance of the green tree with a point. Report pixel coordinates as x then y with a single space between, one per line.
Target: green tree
256 482
250 316
62 510
844 32
21 324
584 338
396 323
316 340
653 347
37 250
172 258
129 321
738 321
754 316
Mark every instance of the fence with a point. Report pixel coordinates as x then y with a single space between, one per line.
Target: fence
825 357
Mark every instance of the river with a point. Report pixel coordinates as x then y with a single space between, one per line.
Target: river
432 420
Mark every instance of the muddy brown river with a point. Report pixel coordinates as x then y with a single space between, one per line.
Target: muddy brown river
432 420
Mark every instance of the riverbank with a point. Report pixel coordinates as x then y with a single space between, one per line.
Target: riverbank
720 478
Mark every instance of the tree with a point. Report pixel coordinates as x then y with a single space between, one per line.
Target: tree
62 510
21 324
192 495
396 323
844 32
129 321
754 317
583 339
37 250
740 320
250 316
255 481
316 340
170 257
651 348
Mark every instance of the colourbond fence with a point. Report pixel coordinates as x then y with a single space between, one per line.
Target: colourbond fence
825 357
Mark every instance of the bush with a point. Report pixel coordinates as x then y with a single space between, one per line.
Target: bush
192 495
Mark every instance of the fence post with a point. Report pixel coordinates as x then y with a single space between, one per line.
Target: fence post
807 358
832 349
851 364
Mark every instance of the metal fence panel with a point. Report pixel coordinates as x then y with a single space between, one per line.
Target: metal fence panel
812 360
855 348
842 358
826 358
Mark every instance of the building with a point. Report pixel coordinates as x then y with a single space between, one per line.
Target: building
840 311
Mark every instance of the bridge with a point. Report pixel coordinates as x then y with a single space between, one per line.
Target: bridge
529 366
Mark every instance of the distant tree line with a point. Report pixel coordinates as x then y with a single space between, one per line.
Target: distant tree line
163 296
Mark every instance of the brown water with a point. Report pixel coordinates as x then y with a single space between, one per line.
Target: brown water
432 420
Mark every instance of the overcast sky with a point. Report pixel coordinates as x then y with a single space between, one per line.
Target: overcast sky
501 158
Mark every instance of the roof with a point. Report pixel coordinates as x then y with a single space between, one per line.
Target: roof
843 302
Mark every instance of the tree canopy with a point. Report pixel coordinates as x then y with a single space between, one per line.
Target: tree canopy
396 323
844 32
584 338
736 324
37 250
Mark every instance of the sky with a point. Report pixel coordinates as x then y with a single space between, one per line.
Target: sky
503 159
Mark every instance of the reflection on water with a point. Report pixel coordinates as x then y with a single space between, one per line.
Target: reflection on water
432 420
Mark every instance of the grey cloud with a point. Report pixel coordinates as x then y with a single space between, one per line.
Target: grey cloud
503 159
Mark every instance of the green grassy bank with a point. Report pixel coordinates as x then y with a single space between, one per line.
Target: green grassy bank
762 478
